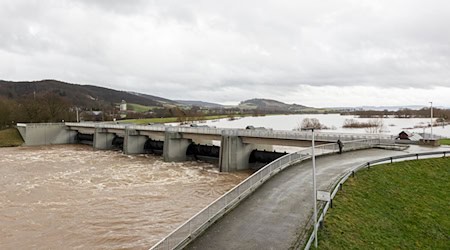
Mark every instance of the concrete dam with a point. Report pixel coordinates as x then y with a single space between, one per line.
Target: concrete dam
238 150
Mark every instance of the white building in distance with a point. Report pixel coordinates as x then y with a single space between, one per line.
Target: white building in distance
123 106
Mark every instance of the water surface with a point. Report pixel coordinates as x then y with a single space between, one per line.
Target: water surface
392 126
70 196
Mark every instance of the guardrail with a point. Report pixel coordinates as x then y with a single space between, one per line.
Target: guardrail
193 227
82 124
355 169
39 124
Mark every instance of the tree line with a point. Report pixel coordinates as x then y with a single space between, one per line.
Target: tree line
402 113
45 108
53 107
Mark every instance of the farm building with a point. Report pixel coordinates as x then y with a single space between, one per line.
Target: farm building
407 135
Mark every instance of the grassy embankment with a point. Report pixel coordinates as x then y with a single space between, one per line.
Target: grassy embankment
10 137
398 206
139 108
445 141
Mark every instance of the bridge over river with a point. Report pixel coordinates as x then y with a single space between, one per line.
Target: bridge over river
175 142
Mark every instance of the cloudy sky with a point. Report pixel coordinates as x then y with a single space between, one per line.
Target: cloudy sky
316 53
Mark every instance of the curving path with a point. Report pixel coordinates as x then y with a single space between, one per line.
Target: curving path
276 214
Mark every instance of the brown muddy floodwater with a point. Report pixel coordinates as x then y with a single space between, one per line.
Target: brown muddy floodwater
70 196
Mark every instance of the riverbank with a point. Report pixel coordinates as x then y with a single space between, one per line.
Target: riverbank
10 137
444 141
401 205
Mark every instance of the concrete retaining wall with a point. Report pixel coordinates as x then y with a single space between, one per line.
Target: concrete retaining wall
35 134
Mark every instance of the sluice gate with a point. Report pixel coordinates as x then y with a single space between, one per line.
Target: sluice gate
259 158
84 138
154 147
117 142
207 152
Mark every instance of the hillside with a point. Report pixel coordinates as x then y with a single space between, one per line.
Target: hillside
75 94
200 104
267 104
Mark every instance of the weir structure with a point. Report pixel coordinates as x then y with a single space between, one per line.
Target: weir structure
237 148
176 143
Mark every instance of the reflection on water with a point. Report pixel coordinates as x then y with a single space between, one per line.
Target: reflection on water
70 196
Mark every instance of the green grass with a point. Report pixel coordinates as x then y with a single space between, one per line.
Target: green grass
445 141
139 108
403 205
10 137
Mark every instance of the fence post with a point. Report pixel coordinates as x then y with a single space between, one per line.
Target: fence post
209 213
391 159
190 232
353 173
417 156
368 165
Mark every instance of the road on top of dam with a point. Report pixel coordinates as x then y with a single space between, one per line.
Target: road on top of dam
277 214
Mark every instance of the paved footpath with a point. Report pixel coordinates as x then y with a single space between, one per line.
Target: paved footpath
275 215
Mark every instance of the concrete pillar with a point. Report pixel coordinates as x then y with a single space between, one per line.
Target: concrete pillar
234 154
175 146
133 142
103 139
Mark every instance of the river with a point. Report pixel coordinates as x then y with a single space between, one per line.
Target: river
392 126
70 196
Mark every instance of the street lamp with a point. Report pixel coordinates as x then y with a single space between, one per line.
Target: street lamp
314 185
431 103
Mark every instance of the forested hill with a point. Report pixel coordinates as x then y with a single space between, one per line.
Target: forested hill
200 104
75 94
267 104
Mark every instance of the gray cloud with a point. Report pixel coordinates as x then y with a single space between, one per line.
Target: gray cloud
228 51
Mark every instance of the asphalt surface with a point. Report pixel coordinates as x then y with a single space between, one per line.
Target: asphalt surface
277 213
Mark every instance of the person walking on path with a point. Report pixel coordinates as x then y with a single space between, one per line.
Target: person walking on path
341 145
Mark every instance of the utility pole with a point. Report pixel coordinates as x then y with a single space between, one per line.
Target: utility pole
431 103
314 188
314 185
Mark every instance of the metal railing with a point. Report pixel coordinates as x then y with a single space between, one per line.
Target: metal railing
193 227
39 124
355 169
82 124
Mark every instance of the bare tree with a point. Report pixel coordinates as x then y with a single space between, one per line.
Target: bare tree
56 107
376 126
5 114
33 110
311 123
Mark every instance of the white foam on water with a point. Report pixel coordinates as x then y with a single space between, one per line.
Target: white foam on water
82 198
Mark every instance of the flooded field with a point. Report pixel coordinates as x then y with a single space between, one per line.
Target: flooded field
70 196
